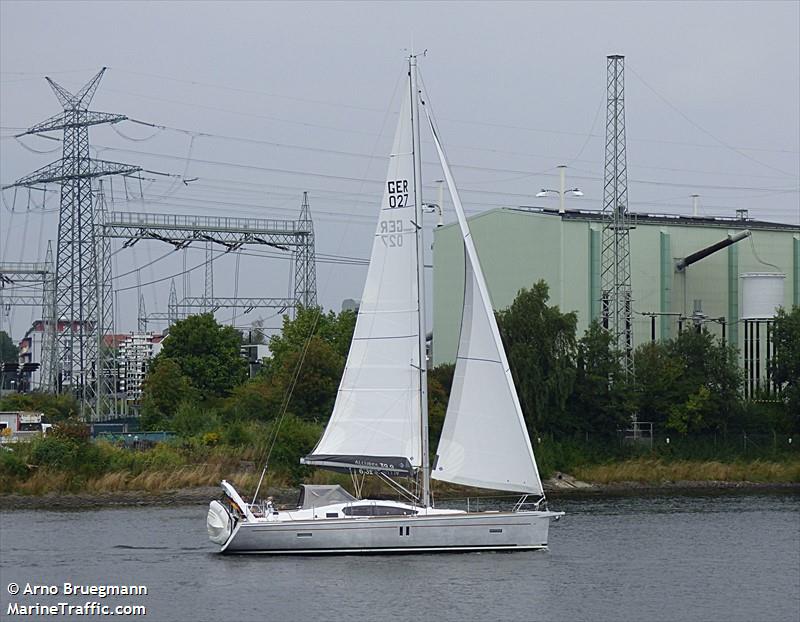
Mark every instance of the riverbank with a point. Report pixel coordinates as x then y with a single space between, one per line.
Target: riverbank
561 485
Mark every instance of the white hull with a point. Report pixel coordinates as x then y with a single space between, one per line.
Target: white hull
407 534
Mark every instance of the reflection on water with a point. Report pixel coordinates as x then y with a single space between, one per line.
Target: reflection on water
702 557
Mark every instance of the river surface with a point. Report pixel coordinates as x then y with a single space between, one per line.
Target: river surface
724 557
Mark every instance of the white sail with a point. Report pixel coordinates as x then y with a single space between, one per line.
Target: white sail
484 440
376 422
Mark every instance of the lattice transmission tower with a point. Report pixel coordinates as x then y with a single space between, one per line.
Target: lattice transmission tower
79 290
615 262
305 265
208 288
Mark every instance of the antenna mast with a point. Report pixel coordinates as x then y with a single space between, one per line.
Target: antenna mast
617 298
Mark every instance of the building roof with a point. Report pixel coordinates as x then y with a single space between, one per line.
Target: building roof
648 218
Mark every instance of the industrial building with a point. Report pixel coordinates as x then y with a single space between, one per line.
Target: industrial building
724 290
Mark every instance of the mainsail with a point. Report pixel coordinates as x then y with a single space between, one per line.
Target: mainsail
484 440
376 421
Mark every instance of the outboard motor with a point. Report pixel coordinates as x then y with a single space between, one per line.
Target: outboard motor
219 523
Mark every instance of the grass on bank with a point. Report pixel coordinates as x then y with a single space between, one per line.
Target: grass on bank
71 463
64 463
657 470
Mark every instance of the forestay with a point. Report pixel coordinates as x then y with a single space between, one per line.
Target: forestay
484 441
375 425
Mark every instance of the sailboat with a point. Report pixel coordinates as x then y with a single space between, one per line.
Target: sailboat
379 424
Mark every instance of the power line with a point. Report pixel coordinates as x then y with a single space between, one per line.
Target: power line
269 143
282 171
445 119
696 125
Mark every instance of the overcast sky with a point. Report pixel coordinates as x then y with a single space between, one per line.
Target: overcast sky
262 101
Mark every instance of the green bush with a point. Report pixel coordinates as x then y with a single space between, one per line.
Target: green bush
53 451
164 456
120 458
11 466
236 434
191 420
296 438
72 429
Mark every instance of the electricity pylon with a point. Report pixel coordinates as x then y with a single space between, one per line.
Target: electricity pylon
78 316
305 265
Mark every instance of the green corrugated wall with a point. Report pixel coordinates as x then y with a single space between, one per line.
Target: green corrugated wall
594 273
665 286
733 294
796 270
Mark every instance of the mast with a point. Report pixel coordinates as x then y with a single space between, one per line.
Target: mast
423 360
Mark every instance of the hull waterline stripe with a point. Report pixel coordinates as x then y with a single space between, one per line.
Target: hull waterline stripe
415 549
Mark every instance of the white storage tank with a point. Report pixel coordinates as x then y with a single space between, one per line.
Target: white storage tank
762 294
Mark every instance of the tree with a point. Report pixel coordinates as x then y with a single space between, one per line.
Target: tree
207 353
164 389
335 329
709 363
308 359
189 419
256 333
440 381
599 403
541 347
9 352
689 383
312 375
657 382
785 366
254 399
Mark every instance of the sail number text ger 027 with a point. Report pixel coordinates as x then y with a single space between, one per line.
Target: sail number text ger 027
398 193
391 231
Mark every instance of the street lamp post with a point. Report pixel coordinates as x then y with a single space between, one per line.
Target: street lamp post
562 191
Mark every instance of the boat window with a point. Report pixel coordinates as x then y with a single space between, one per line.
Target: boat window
388 510
331 514
377 510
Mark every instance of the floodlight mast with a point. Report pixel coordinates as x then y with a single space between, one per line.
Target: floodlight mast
562 192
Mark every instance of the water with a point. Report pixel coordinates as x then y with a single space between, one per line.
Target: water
705 558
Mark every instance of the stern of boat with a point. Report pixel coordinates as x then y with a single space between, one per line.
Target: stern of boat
225 514
219 523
